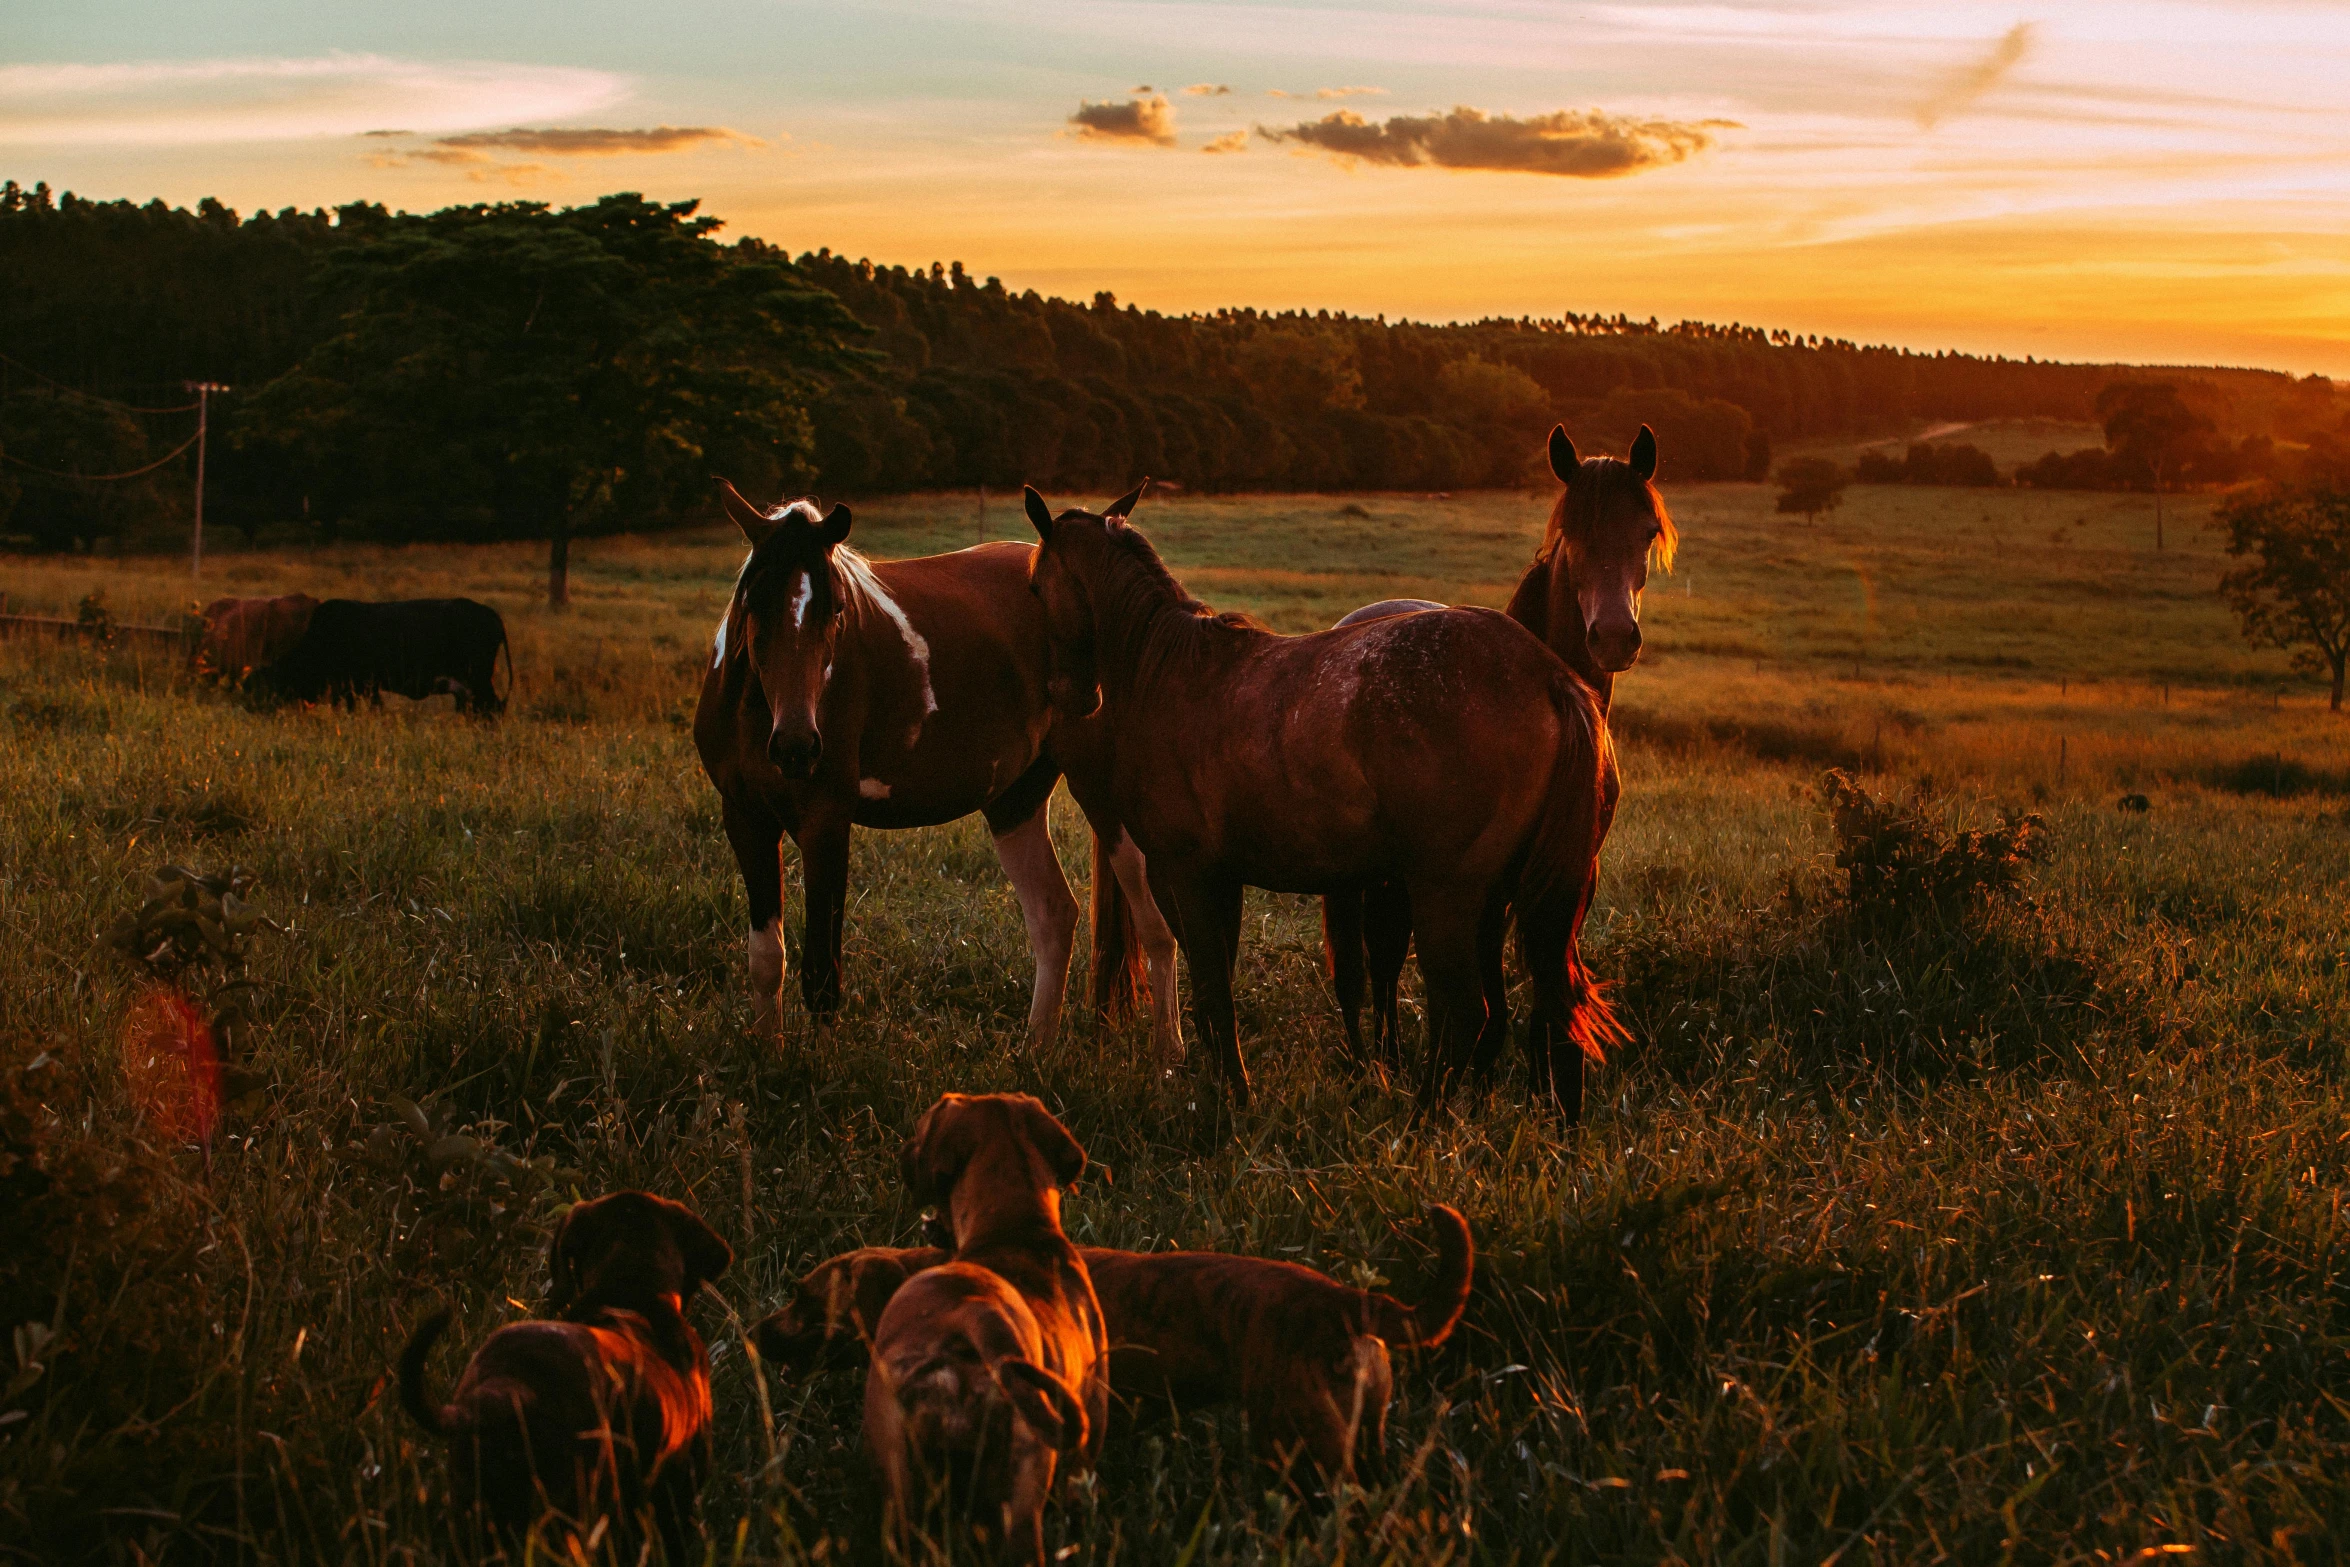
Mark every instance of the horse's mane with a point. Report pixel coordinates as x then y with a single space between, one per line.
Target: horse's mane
1151 584
1603 473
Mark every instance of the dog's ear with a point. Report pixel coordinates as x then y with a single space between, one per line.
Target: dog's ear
706 1256
1044 1402
563 1254
1050 1138
935 1155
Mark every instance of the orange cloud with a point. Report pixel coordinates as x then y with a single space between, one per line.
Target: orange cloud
1587 145
1149 119
1964 86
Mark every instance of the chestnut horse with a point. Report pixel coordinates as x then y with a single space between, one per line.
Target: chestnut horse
1448 751
1582 596
845 692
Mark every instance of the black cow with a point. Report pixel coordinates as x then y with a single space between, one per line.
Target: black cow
413 648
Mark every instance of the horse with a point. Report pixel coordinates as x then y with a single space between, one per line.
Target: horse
1581 595
1449 751
844 693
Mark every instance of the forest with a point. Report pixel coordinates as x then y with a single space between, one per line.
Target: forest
514 370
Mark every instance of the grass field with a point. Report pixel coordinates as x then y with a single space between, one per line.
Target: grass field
2012 1236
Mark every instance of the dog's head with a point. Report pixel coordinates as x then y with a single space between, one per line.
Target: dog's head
961 1127
830 1318
630 1247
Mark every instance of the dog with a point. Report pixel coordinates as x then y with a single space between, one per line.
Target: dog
602 1412
989 1373
1305 1356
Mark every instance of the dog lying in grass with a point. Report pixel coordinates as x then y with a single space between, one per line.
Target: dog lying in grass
1305 1356
988 1372
603 1412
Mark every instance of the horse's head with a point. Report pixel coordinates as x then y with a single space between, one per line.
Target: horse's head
1606 528
785 618
1061 587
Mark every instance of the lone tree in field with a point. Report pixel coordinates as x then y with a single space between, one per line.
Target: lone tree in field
2148 426
510 371
1811 485
2294 591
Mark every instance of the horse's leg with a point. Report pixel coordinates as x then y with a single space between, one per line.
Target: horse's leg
1207 924
1047 909
1387 927
1491 932
1446 921
758 853
1342 947
1157 940
824 862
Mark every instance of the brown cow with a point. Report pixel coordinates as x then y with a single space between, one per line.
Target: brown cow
244 635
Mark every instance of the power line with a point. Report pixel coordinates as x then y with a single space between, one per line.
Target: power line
75 391
102 478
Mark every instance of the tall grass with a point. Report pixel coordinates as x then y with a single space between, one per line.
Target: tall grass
2012 1234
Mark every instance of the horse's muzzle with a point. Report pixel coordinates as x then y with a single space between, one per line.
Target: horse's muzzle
796 756
1615 648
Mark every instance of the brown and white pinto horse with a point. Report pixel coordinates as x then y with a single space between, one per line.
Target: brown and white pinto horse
1449 752
1582 597
845 692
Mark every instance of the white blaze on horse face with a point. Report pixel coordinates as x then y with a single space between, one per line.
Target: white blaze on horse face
802 590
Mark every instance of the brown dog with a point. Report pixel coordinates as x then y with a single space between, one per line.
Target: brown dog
988 1371
603 1412
1304 1355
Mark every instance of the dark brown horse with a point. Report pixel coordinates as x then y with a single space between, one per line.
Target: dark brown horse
1581 596
1447 751
845 692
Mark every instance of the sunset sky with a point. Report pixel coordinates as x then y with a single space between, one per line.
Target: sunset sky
2144 181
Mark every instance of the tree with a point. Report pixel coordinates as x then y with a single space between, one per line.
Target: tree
511 371
1811 485
2295 590
2147 425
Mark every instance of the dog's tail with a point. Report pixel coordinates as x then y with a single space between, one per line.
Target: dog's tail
1431 1322
1118 983
436 1418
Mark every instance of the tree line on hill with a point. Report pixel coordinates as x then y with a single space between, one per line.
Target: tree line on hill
514 370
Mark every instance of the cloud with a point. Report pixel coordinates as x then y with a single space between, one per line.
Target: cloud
1349 92
1149 119
592 143
1587 145
1208 90
178 103
1231 141
1962 87
473 149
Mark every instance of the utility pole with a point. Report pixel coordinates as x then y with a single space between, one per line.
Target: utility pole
203 391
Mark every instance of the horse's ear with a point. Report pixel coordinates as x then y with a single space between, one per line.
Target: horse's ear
1040 516
1562 455
1644 453
756 524
835 526
1126 503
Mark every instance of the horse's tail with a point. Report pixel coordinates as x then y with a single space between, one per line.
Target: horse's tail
439 1419
1118 983
1561 869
